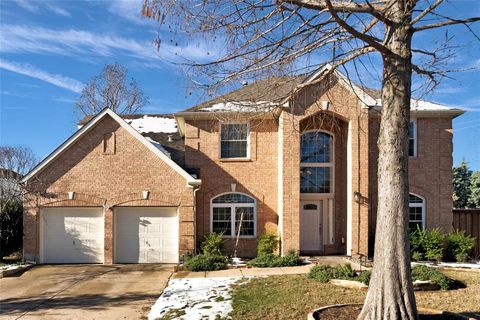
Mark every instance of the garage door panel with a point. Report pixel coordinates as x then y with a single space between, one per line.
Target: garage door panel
146 235
72 235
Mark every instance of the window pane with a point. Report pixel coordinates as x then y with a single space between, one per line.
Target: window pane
315 180
411 139
233 198
415 199
415 212
248 221
237 131
222 221
233 149
315 147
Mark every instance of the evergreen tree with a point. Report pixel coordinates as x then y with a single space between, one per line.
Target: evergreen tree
461 185
474 199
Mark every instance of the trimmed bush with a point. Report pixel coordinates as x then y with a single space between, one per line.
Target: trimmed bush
459 246
427 244
272 260
364 277
324 273
204 262
213 244
424 273
267 244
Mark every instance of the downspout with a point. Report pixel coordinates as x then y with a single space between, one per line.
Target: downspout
196 188
358 184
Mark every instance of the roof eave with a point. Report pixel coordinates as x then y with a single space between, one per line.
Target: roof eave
375 112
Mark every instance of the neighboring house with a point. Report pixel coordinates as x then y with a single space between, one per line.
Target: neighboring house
278 155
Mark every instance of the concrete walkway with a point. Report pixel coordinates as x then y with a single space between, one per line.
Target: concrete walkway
259 272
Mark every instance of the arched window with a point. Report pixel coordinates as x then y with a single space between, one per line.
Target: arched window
316 162
416 212
228 210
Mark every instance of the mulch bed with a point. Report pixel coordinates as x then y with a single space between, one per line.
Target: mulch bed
352 311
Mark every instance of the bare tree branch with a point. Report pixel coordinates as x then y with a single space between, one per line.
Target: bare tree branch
446 23
426 11
338 6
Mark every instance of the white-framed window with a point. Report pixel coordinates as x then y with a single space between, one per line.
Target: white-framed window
234 140
416 212
412 138
316 162
228 210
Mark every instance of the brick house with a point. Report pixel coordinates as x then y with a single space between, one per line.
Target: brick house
290 155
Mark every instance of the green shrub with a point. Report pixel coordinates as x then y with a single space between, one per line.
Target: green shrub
204 262
364 277
324 273
417 256
428 244
459 246
424 273
11 226
271 260
267 244
213 244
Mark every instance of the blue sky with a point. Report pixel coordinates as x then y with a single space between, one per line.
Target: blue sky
50 49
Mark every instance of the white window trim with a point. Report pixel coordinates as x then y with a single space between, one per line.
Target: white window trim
220 140
321 164
418 205
415 138
232 214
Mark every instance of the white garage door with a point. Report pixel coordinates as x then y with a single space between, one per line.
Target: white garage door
146 235
72 235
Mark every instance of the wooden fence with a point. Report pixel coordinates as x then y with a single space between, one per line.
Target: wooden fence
468 220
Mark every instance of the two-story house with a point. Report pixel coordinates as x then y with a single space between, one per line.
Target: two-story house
292 155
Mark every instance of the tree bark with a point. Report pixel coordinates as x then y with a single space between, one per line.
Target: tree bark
390 294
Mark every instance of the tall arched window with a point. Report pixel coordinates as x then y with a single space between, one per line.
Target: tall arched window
416 212
228 210
316 162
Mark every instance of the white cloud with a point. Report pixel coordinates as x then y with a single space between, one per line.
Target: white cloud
33 7
27 5
31 71
130 10
81 44
58 10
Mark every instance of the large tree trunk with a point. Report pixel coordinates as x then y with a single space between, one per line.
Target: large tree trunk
390 294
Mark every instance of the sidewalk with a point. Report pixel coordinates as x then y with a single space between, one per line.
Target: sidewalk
259 272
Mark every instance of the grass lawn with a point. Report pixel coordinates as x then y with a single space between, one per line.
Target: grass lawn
293 296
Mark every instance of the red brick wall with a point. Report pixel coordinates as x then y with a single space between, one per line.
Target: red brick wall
430 172
256 176
100 179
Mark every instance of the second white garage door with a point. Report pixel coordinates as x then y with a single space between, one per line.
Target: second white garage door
146 235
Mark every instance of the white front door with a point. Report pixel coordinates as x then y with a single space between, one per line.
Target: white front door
146 235
71 235
311 214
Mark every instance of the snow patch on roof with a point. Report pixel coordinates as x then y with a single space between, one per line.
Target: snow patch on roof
241 106
159 147
154 124
422 105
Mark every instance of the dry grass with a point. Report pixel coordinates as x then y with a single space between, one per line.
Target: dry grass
292 297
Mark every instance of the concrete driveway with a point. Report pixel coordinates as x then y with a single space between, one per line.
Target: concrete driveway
83 292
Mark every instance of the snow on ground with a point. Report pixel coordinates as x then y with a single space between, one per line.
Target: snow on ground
12 266
195 298
150 123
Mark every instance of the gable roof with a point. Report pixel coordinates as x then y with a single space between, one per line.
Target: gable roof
89 125
270 90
